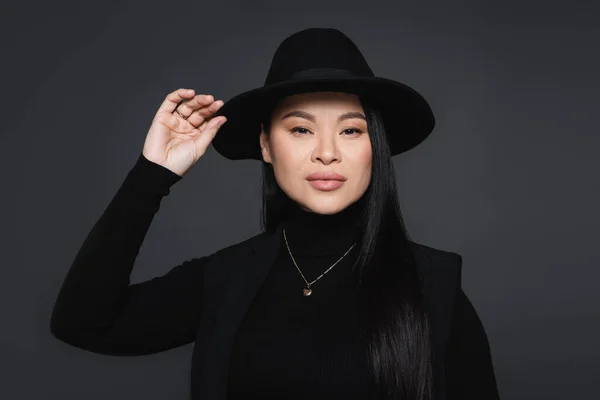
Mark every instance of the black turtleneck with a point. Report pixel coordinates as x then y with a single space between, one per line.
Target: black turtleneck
297 347
313 234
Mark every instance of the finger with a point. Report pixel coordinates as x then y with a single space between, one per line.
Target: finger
204 114
208 134
174 98
208 114
187 107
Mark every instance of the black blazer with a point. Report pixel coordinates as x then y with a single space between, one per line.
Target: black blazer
233 276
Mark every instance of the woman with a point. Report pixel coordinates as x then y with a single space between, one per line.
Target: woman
379 316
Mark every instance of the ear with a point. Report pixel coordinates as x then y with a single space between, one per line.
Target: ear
264 145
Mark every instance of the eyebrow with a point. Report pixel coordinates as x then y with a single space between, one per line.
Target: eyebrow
310 117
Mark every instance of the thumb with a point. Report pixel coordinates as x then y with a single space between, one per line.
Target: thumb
208 133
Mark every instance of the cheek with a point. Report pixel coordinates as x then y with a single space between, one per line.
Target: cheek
365 159
282 153
287 163
366 156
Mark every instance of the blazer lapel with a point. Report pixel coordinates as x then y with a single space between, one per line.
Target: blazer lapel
239 293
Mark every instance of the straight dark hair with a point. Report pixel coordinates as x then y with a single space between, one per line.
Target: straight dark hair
398 331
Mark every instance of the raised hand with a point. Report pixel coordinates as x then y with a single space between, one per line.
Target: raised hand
182 130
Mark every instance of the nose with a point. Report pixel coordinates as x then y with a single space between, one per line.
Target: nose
326 149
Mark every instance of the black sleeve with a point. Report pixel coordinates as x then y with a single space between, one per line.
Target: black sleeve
469 367
97 309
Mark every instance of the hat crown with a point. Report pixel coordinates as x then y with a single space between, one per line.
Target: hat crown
317 51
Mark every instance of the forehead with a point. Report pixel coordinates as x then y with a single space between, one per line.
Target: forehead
321 101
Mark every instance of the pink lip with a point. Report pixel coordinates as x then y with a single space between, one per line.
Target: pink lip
326 184
326 180
325 176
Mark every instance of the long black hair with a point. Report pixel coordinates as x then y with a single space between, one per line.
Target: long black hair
398 331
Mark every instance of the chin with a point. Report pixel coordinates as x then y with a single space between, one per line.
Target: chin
321 206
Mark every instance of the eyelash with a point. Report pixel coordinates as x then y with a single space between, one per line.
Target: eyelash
296 129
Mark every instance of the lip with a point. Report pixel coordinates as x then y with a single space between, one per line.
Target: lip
326 184
326 176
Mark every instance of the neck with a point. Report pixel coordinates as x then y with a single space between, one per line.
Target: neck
313 234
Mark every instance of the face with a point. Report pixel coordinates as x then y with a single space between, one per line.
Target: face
319 133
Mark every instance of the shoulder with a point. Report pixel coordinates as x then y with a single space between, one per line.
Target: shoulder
432 254
227 259
437 266
240 247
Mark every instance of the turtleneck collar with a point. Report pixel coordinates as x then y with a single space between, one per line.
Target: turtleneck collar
313 234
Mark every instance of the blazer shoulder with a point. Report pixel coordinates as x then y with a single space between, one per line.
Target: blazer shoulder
227 259
436 255
438 268
241 246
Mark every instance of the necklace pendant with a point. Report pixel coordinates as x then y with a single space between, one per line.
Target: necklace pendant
307 291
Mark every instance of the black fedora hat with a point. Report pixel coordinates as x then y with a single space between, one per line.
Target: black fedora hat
322 59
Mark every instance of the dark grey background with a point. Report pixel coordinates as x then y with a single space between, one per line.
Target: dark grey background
509 179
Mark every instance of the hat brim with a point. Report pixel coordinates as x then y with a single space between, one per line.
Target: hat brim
407 117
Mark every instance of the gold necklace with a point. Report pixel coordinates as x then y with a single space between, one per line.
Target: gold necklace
307 291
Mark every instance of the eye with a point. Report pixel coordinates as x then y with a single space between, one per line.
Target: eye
351 131
300 130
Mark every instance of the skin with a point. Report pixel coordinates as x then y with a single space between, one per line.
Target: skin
307 136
